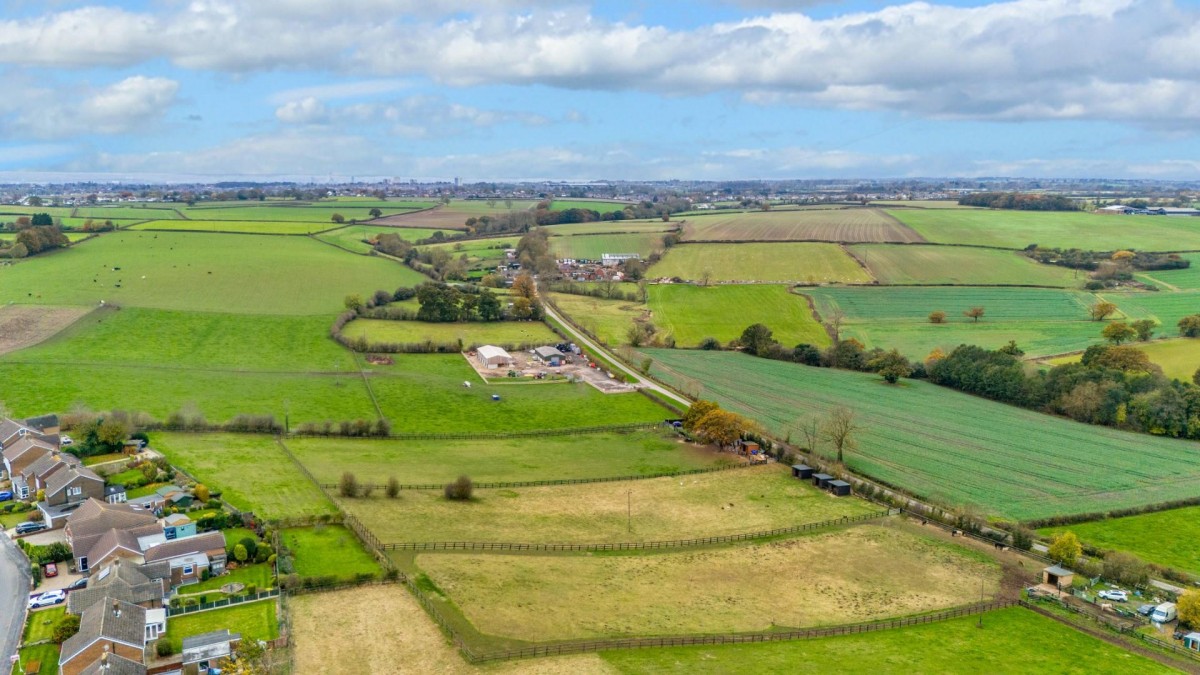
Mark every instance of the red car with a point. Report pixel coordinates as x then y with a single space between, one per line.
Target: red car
50 570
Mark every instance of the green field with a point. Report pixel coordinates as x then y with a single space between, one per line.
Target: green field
453 216
253 620
780 262
507 334
609 227
235 226
1063 229
606 319
354 237
318 214
1177 280
146 212
10 212
328 550
250 471
1170 538
960 265
201 272
1166 308
1007 460
597 205
692 313
1012 640
1179 358
843 225
502 459
920 204
592 246
1041 321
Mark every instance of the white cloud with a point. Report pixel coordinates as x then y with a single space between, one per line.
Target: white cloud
129 105
340 90
307 110
417 116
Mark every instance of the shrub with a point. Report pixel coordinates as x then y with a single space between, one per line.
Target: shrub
200 492
1022 538
250 545
710 344
250 589
460 490
393 488
1126 568
163 647
348 486
239 553
366 490
65 627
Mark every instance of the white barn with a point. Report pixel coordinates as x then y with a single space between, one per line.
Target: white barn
493 357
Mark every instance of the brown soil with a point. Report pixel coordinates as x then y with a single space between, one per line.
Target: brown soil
23 326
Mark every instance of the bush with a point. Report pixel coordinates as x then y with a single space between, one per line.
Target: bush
250 589
163 647
348 486
710 344
1022 538
1126 568
366 490
393 488
460 490
65 627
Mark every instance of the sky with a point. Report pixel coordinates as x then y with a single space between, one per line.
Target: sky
622 90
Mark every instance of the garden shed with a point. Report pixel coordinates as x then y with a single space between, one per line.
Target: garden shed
1192 641
1057 576
802 471
839 487
821 480
493 357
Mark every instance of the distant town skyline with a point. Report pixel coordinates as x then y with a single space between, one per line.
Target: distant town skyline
626 90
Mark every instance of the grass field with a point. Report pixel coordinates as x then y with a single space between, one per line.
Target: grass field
424 393
1166 308
328 550
506 459
960 265
250 471
1063 229
844 225
745 500
1170 538
592 246
1177 280
921 204
145 212
454 215
1041 321
318 214
597 205
201 272
779 262
24 325
10 212
606 319
610 227
858 574
692 313
1179 358
1011 641
1008 461
508 334
253 620
235 226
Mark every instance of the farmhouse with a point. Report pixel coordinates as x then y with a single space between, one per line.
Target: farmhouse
493 357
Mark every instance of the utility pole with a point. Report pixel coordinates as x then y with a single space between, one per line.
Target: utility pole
981 583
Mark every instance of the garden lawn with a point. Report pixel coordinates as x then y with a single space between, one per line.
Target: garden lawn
254 620
235 534
424 393
46 655
202 272
40 624
838 225
742 500
1170 538
251 472
259 575
778 262
915 264
502 459
1013 640
593 246
1062 229
608 320
236 226
850 575
692 313
944 444
354 237
328 550
514 335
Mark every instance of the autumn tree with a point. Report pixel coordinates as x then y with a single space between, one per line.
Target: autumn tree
1101 310
720 427
1144 329
1188 607
1118 332
934 356
891 365
524 287
975 313
1065 548
201 492
937 317
698 410
1189 326
840 429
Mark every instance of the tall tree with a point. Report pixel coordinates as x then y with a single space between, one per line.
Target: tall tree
975 313
1065 548
840 429
1101 310
1118 332
757 340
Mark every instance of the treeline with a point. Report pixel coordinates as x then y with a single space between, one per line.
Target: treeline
848 354
103 429
607 289
1019 201
1075 258
35 239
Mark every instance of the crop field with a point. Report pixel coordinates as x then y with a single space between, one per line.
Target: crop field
147 212
502 333
852 575
1170 538
598 205
24 325
839 225
1063 229
606 319
328 550
319 214
701 505
1008 461
1166 308
251 472
1176 280
452 216
610 227
424 393
1010 640
235 226
592 246
502 459
354 237
201 272
692 313
780 262
960 265
1179 358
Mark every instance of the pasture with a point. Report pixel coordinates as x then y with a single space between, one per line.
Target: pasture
849 575
1179 357
702 505
610 227
201 272
920 204
598 205
502 459
837 225
249 470
1009 642
22 326
608 320
453 216
355 237
1063 229
141 212
1165 308
328 550
692 313
235 226
780 262
507 334
1170 538
1008 461
960 265
1176 280
318 214
592 246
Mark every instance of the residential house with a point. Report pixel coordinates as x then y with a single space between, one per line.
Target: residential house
202 653
88 524
38 473
189 558
115 494
141 585
107 627
66 490
19 455
178 526
114 664
11 430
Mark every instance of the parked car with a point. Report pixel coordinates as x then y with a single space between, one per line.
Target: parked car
77 584
50 570
1114 594
29 527
65 440
48 598
6 495
1145 610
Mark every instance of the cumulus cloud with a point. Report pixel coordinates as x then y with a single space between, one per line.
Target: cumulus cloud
417 116
61 112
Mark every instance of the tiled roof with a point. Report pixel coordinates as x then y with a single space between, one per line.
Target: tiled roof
61 479
107 619
209 541
114 664
119 580
89 522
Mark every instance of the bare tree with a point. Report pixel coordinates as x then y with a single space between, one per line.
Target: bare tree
810 429
836 317
706 277
840 429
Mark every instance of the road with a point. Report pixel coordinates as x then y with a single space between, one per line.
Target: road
14 596
585 342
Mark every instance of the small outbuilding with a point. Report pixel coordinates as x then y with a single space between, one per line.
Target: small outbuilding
839 488
802 471
1057 576
493 357
1192 641
821 480
549 356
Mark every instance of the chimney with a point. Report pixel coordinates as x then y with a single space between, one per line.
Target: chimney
117 608
104 660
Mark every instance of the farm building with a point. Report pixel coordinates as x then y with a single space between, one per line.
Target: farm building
548 355
614 259
1119 209
1057 576
1192 641
839 487
802 471
821 480
493 357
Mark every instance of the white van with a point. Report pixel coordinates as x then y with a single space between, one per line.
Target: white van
1163 613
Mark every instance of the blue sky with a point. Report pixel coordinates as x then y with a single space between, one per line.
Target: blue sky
527 89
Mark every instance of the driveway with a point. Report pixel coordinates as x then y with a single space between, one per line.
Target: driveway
14 594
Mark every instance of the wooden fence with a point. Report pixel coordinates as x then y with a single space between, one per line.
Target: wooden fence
1112 623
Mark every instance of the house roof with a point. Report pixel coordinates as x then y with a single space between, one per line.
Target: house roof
114 664
1192 636
113 540
61 479
201 543
1058 571
9 428
177 519
209 646
107 619
96 517
489 352
42 422
119 580
25 451
113 490
51 461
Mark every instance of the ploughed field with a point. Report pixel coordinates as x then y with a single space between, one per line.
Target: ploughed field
839 225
